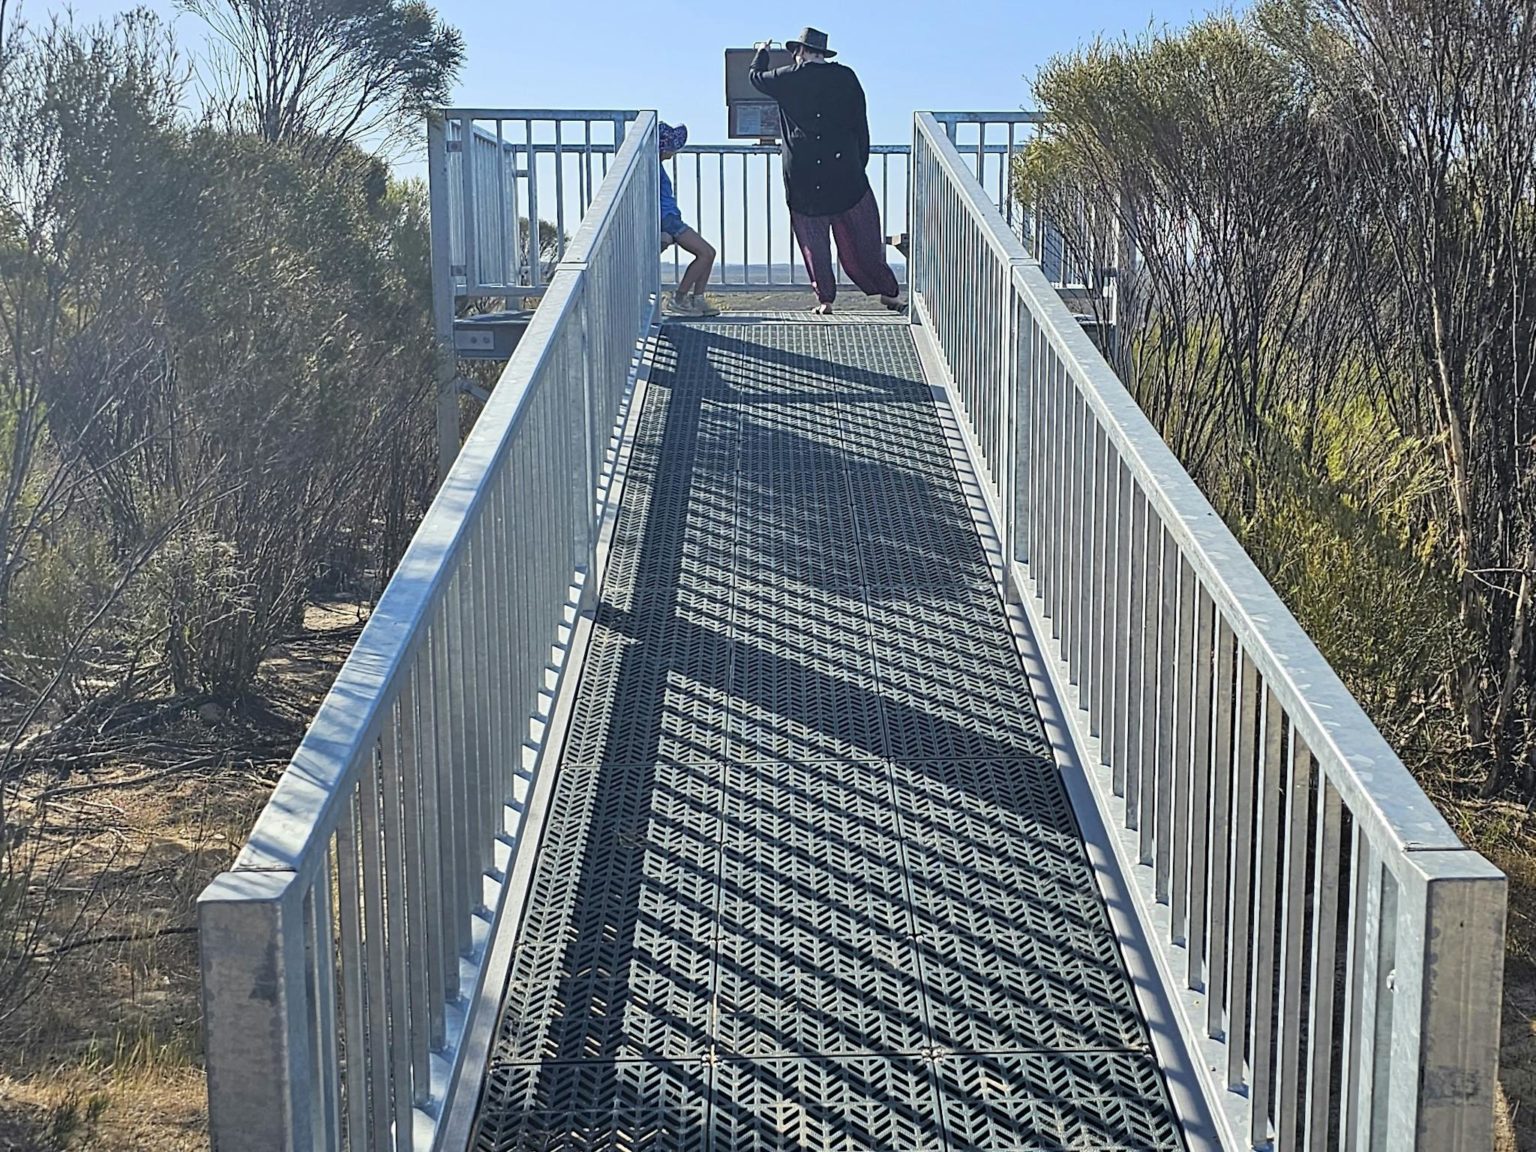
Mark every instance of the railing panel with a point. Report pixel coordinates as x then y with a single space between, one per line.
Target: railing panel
501 168
1292 793
374 876
513 176
733 195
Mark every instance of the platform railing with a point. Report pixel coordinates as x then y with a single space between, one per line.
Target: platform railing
344 951
733 195
1332 952
503 170
496 170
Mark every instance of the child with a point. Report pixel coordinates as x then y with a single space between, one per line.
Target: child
688 299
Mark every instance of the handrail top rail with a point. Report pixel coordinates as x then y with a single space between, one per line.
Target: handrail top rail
607 148
304 808
1369 775
1017 116
567 114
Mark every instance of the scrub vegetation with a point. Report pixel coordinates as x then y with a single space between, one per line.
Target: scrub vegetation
216 418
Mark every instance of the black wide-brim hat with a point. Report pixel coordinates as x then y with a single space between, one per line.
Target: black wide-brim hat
810 38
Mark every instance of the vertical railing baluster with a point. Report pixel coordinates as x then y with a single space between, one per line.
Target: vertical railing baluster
768 212
1291 1017
1222 772
1078 576
506 216
354 983
1201 859
1245 770
454 907
1120 711
402 1057
560 188
1271 811
1083 571
471 798
1183 749
1136 659
1320 1097
413 890
698 211
535 254
1165 757
322 994
376 939
586 165
1098 582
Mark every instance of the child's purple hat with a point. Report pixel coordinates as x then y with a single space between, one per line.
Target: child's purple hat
670 139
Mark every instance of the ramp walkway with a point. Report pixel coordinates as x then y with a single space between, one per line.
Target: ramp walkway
810 878
844 733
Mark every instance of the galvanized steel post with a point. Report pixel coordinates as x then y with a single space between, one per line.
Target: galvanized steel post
258 1018
442 295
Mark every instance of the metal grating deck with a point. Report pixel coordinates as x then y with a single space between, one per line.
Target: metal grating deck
810 879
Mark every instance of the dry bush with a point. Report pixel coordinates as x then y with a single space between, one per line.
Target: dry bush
216 365
1327 280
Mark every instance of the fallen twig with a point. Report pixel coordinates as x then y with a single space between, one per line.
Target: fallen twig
118 938
128 781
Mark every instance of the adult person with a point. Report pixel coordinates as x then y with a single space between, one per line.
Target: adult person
824 140
688 298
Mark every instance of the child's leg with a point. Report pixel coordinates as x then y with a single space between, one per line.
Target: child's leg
697 273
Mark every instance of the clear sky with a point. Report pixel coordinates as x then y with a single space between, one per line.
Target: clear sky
669 54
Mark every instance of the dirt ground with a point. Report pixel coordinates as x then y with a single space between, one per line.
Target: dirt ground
109 1058
1516 854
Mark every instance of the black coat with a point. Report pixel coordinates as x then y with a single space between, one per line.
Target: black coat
824 133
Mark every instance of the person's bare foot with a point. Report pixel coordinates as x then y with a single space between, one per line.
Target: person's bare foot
894 303
822 310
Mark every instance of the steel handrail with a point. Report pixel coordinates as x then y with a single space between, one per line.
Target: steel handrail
344 951
1247 783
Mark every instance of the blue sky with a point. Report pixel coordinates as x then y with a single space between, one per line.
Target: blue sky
669 55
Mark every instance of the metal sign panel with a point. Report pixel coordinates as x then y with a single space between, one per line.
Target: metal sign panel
749 115
754 120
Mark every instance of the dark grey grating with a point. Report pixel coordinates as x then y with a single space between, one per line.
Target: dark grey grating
1047 1101
810 879
849 1104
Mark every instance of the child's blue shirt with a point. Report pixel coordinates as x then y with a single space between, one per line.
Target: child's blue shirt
668 199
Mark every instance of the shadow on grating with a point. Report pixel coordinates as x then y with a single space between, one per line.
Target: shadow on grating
810 878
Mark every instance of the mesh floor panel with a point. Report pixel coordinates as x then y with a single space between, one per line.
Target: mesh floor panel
810 879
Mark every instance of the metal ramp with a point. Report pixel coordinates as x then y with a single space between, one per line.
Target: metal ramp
809 877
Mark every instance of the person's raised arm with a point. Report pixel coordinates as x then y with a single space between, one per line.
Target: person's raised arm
765 80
